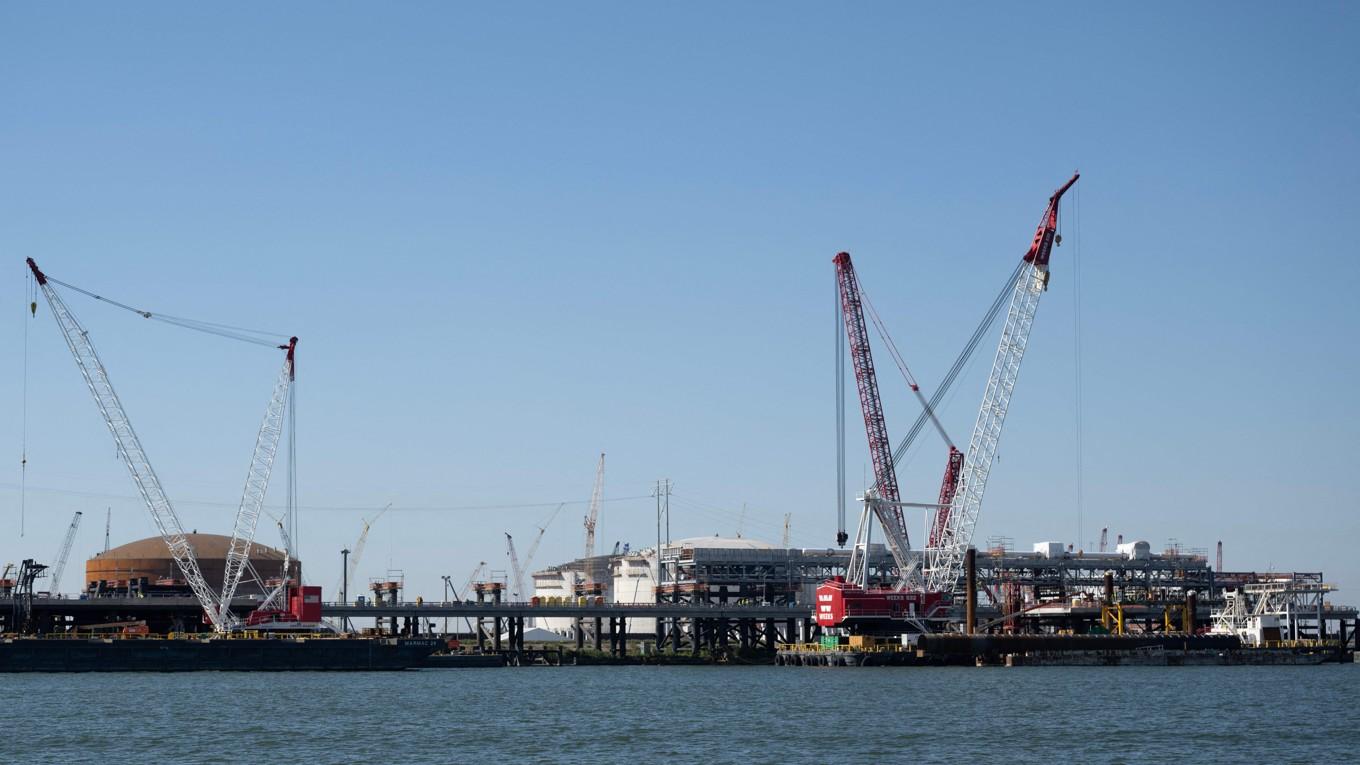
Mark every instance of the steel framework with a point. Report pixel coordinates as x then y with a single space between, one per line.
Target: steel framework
945 560
54 584
888 512
256 487
130 448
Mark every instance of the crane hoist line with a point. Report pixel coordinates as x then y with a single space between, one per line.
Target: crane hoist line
216 603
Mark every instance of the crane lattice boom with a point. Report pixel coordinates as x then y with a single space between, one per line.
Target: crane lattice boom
358 553
594 516
945 560
257 484
515 570
888 512
130 449
54 585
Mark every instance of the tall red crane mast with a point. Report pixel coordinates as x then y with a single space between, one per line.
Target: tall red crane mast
888 510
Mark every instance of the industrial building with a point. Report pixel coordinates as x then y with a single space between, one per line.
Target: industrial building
716 570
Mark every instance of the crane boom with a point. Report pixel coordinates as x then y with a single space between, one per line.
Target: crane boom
54 585
462 594
257 483
533 548
889 514
515 570
956 529
594 516
275 598
358 552
130 448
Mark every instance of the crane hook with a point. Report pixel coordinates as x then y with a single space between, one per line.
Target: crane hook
33 308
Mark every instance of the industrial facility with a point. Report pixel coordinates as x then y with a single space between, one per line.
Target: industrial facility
875 598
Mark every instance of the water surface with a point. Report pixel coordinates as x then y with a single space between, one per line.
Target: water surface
690 714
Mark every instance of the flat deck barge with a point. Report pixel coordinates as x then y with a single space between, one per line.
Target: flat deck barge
194 654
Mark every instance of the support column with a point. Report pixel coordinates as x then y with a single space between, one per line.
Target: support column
698 634
599 638
580 636
970 584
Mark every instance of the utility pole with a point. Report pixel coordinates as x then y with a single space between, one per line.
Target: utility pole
447 586
663 509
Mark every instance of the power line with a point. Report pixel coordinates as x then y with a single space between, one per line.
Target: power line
333 508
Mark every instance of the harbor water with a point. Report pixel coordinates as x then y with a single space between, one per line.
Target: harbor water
690 714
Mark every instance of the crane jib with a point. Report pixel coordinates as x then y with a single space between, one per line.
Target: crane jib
954 532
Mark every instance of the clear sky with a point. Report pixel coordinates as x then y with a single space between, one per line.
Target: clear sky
511 238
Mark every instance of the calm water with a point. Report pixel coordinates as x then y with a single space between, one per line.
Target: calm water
690 714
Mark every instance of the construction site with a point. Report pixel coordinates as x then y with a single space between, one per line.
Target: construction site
874 598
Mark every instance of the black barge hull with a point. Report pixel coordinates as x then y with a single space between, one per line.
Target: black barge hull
230 655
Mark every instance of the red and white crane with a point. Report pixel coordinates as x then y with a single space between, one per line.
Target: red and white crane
953 531
965 478
216 605
883 499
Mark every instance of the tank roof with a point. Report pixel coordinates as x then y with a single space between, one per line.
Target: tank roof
205 546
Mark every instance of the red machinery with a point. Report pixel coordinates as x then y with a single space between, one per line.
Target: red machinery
839 600
304 608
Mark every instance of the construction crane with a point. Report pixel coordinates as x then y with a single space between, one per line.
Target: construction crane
515 570
955 528
592 518
787 517
54 584
476 572
134 457
257 483
883 499
108 524
538 539
130 448
358 552
277 597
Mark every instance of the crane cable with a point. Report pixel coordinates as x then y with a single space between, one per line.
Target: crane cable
959 363
245 335
1077 366
927 408
31 294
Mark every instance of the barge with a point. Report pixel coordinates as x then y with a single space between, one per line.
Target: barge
195 654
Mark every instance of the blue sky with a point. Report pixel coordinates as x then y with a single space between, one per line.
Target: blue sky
512 238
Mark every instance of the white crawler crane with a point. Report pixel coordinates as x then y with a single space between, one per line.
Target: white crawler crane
953 531
54 584
215 605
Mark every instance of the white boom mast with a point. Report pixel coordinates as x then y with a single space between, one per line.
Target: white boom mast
592 519
54 585
358 553
955 534
515 570
130 448
257 485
